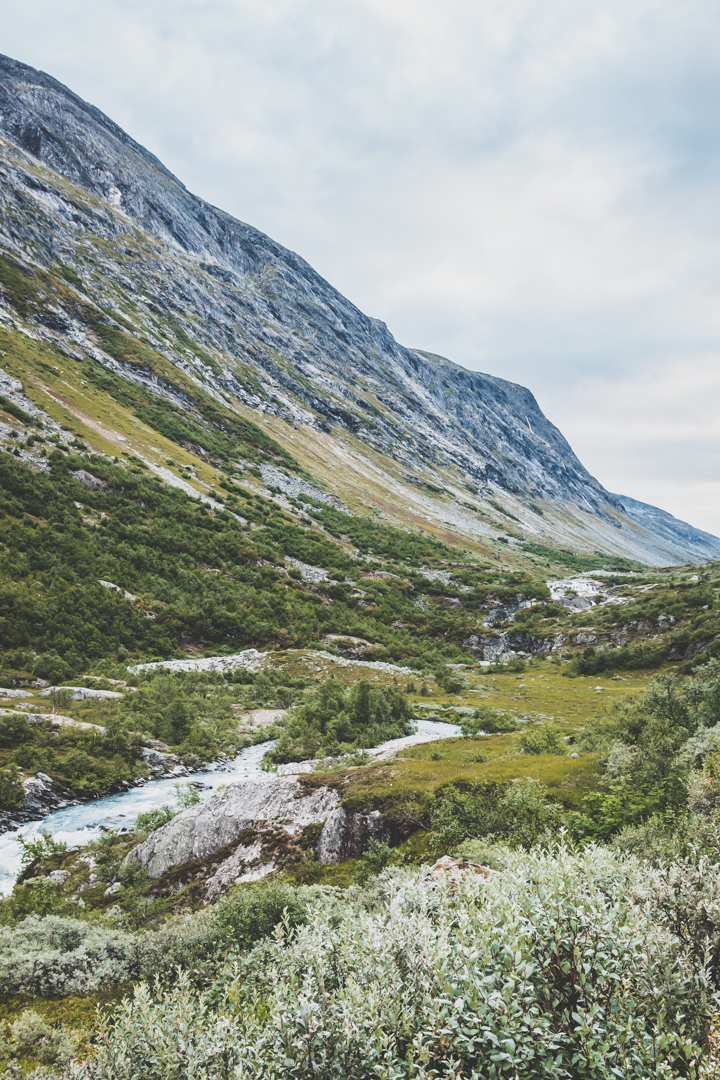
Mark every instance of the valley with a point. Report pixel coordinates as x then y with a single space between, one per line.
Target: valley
349 728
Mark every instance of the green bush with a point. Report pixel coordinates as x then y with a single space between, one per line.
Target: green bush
517 812
12 793
335 720
45 954
155 819
36 849
377 857
57 955
656 744
14 730
626 658
253 911
541 739
148 822
32 1038
491 721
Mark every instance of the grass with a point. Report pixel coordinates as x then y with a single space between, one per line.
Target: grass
568 702
74 1012
402 786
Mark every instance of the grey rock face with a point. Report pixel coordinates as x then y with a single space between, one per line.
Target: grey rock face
204 829
76 190
346 836
252 294
81 693
245 864
512 643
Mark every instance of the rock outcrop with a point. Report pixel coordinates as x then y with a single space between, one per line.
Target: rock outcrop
251 806
42 797
347 835
247 819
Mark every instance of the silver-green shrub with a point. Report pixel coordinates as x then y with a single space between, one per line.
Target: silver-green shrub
31 1036
60 955
56 955
549 970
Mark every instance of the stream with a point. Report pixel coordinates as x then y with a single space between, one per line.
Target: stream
78 825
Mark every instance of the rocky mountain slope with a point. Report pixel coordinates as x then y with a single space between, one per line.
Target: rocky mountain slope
110 264
700 546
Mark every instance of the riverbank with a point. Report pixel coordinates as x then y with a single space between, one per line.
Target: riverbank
80 822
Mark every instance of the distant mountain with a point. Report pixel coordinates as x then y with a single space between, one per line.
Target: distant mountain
693 544
165 292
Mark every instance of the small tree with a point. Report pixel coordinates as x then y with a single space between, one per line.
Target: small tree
35 849
12 793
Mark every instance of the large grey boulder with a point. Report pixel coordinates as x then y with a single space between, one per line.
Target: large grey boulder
279 802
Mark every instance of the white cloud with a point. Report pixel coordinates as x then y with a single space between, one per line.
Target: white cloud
530 189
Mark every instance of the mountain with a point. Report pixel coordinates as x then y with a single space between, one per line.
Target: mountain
698 546
154 297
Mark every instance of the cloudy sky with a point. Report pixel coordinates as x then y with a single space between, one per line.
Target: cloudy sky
529 187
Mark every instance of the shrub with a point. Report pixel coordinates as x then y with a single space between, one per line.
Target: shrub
374 861
155 819
541 740
253 911
14 730
12 793
40 847
579 983
56 955
187 796
61 955
517 812
334 720
685 898
33 1037
628 657
491 721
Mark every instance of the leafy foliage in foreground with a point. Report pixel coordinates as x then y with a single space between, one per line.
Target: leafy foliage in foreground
413 980
63 955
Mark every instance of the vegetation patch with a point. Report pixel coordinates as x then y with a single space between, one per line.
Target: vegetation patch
335 721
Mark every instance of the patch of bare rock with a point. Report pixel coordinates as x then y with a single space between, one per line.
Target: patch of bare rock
255 820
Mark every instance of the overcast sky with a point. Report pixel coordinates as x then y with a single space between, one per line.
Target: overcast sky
529 188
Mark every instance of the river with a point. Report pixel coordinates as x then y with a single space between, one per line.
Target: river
78 825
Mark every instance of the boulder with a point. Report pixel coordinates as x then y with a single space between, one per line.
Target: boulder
281 801
93 483
156 757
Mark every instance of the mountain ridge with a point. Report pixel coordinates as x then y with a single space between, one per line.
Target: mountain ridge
262 333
